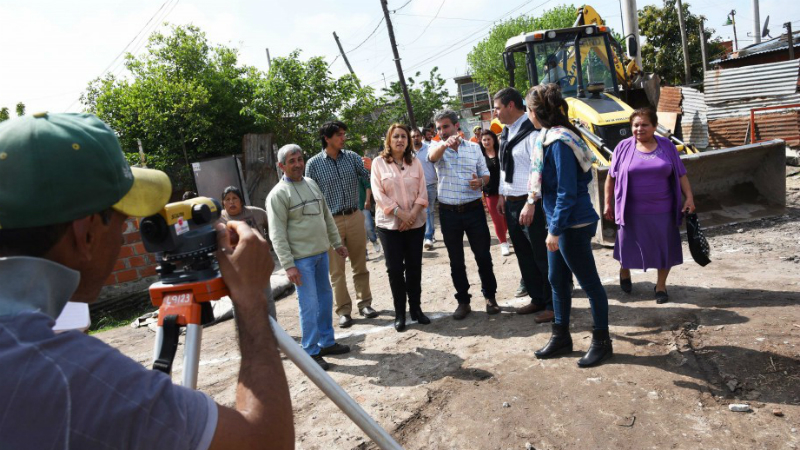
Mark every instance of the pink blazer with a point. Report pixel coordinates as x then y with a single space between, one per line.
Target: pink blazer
393 187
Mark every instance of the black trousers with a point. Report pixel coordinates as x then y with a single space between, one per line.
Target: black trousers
472 223
531 250
402 251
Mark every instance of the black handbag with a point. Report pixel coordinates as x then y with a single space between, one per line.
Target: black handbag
698 245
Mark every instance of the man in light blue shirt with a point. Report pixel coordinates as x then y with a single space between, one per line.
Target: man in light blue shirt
421 149
462 173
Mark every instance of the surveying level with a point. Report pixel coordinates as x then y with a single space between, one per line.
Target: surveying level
183 237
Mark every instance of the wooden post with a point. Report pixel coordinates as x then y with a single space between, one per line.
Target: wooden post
703 44
344 56
686 68
403 86
789 39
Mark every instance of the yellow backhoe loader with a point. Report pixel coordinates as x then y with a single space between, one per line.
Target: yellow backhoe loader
602 90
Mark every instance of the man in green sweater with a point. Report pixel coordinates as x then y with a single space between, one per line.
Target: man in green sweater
302 230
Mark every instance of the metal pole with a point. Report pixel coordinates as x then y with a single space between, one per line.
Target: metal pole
329 387
344 56
630 22
735 38
403 86
686 68
269 61
703 44
191 355
756 23
789 39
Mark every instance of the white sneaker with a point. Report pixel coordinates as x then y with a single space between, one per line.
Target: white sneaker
376 246
428 244
504 249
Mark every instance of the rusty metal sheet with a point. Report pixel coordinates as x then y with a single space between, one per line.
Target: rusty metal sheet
742 108
727 132
758 81
670 100
778 126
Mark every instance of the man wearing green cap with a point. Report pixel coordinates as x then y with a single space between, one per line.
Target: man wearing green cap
65 193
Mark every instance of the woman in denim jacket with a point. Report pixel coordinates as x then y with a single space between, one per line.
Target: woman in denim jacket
560 174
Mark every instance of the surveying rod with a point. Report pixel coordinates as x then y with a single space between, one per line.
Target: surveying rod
330 388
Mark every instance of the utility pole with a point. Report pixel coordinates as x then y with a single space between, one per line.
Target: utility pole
756 23
630 21
789 39
703 45
341 50
686 68
269 61
403 86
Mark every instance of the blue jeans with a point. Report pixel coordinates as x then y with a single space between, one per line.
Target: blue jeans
430 227
316 303
369 225
574 256
473 224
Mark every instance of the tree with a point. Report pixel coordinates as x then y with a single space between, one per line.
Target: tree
4 115
20 109
297 97
183 101
426 98
662 52
486 59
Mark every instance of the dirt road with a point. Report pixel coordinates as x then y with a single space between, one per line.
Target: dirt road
730 334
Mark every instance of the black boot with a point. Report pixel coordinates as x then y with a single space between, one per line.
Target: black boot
400 321
560 343
418 315
600 349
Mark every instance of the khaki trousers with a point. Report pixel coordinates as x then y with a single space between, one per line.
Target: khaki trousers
354 238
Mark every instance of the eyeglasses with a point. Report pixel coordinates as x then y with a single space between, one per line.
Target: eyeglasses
310 207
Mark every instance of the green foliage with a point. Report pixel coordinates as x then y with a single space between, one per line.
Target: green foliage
4 115
297 97
184 102
20 109
486 59
662 52
427 97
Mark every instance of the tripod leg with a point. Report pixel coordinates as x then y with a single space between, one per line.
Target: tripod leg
191 355
334 392
159 343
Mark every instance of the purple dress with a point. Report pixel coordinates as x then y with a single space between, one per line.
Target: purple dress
648 234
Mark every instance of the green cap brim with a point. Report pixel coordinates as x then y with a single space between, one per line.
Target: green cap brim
150 192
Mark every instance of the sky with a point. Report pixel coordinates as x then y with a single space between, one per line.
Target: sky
52 49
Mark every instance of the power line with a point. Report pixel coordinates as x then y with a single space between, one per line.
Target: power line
479 36
445 18
428 25
370 35
404 5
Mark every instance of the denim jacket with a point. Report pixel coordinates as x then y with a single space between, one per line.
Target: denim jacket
565 190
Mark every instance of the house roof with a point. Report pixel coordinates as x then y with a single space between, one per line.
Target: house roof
773 45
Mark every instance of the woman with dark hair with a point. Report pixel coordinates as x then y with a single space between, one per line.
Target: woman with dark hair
490 146
643 197
235 209
560 174
398 185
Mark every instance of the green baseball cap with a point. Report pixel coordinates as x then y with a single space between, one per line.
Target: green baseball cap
56 168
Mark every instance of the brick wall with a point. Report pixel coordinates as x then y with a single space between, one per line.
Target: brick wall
134 263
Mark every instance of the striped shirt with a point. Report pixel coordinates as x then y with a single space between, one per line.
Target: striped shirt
455 170
338 178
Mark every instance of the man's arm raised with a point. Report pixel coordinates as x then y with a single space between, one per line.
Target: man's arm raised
263 414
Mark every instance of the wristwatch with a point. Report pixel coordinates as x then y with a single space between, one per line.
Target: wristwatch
531 200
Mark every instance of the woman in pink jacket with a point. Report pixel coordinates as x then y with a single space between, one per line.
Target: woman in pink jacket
398 185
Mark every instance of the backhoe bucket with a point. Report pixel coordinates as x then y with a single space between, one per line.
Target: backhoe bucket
730 185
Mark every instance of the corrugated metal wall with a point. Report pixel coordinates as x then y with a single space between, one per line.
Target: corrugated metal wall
670 99
694 121
730 94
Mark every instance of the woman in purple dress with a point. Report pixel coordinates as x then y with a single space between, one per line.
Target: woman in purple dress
643 197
